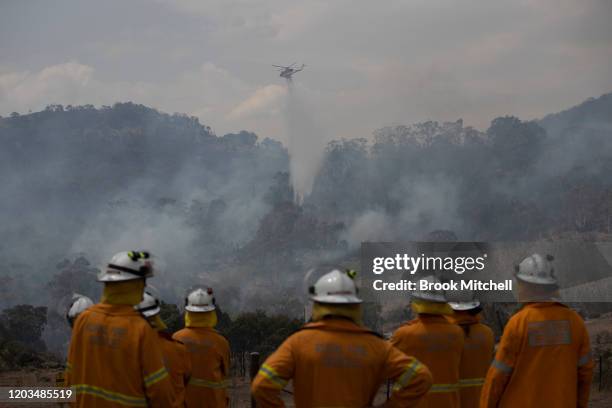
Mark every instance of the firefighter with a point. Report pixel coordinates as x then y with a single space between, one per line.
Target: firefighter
79 304
334 361
477 350
543 358
114 358
176 360
208 351
436 342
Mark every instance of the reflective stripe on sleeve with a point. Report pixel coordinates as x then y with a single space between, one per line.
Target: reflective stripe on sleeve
471 382
501 366
272 375
200 382
110 395
407 375
158 375
440 388
584 359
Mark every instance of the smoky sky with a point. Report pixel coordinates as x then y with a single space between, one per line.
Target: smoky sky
369 64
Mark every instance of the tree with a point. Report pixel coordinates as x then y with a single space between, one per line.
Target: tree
171 315
76 276
515 144
257 331
25 323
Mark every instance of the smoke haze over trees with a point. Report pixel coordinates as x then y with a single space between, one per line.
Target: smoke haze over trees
80 183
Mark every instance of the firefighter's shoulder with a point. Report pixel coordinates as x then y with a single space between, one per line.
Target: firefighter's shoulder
220 335
408 323
323 326
169 337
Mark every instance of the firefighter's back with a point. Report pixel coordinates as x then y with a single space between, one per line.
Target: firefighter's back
547 340
208 352
438 344
336 367
475 361
107 347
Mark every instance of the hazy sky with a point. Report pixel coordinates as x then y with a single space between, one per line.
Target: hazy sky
370 63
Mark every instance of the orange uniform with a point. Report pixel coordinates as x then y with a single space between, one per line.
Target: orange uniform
476 357
115 360
209 354
336 363
177 363
438 344
543 360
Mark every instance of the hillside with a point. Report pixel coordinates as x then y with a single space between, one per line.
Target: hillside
86 182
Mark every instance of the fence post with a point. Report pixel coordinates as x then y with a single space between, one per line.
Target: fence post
254 368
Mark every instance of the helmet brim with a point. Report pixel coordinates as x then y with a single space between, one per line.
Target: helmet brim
536 281
462 306
200 309
337 299
106 277
151 312
429 297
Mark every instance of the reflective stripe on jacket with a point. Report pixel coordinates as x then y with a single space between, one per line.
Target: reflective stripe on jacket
336 363
115 360
543 360
476 358
209 354
438 344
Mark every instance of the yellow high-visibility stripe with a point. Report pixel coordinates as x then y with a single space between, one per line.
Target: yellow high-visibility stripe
272 375
200 382
471 382
440 388
158 375
407 375
112 396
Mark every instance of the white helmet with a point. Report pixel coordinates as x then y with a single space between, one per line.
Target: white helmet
200 300
433 295
127 265
537 269
465 300
335 287
79 304
149 306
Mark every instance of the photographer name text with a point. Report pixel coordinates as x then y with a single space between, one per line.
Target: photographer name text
423 284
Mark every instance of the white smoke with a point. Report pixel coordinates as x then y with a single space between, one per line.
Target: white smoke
306 142
370 226
429 203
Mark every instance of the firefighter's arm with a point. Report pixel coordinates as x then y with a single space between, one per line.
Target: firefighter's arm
225 356
273 376
395 340
157 383
585 369
502 366
411 379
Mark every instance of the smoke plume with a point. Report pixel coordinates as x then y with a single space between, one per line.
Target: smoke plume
306 141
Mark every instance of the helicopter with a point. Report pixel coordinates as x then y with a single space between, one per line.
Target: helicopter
288 71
